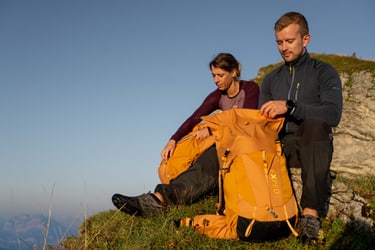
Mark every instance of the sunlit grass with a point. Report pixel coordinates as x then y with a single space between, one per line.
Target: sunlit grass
116 230
365 185
343 64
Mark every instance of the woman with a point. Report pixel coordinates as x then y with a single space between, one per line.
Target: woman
201 177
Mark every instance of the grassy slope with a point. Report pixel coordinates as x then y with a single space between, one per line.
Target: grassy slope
115 230
343 64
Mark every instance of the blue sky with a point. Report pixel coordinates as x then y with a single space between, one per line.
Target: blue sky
90 91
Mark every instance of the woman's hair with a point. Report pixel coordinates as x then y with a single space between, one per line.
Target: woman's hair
227 62
292 17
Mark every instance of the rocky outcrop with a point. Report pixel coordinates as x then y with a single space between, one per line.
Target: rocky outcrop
355 136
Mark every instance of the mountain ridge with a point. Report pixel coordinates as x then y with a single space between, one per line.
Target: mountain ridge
27 231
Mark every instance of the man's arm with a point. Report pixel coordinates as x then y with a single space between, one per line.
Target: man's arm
330 107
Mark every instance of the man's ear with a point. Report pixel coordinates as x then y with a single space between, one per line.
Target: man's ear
306 39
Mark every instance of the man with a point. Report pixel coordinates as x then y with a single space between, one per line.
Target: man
308 93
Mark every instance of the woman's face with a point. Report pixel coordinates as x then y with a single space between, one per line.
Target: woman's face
222 78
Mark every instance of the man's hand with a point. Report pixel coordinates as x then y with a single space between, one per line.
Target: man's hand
273 109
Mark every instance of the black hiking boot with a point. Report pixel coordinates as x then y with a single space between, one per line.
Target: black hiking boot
147 205
310 230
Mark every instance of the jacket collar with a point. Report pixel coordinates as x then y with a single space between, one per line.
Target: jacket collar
299 61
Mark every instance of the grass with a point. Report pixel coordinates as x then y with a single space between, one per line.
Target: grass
364 185
116 230
344 65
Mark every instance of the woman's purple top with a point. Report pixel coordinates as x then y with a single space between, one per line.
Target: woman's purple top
247 97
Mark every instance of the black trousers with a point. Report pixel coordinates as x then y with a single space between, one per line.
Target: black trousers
199 180
311 149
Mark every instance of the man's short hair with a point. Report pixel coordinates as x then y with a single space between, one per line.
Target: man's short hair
292 17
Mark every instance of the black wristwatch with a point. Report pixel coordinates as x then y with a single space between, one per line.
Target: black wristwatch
291 105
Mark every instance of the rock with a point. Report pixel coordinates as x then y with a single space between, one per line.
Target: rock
354 137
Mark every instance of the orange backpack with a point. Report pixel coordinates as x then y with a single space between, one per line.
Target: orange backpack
256 200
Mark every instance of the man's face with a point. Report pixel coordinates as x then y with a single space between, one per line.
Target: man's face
290 43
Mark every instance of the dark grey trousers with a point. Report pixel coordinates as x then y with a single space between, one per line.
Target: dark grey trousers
311 149
199 180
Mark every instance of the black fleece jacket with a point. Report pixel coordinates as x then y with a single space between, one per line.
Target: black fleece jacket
315 87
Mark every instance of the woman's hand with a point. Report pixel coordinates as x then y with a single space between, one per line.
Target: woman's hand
202 133
168 149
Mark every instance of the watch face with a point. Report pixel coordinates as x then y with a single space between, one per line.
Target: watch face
290 104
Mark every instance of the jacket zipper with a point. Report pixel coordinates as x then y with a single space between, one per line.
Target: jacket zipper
292 72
